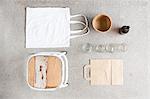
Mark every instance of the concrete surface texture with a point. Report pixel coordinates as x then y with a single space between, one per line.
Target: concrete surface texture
123 12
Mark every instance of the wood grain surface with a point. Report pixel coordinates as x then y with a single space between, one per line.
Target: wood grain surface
53 72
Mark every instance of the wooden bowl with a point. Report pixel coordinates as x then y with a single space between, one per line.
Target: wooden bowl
101 23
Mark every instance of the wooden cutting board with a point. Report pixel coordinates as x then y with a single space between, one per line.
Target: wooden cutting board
100 72
106 72
54 72
31 71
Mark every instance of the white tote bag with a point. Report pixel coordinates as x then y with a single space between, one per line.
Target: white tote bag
50 27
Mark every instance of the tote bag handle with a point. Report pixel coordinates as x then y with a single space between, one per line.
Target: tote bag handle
80 32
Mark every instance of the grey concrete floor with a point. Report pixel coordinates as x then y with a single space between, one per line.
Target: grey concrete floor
123 12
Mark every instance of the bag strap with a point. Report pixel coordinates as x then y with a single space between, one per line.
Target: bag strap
82 32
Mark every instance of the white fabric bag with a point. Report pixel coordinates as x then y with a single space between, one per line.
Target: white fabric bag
50 27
